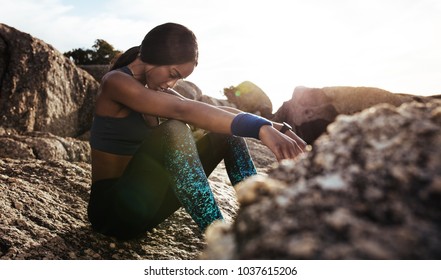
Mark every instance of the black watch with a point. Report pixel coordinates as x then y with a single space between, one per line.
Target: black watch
285 128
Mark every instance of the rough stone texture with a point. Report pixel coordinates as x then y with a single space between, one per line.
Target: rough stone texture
311 110
249 97
43 146
40 89
369 189
188 89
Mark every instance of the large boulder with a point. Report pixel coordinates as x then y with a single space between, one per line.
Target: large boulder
248 97
188 89
369 189
40 89
311 110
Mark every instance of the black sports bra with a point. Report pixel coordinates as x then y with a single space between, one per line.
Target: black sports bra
120 136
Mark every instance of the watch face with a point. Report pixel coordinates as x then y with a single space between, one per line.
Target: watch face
285 127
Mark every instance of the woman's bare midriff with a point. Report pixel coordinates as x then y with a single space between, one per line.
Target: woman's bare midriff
107 166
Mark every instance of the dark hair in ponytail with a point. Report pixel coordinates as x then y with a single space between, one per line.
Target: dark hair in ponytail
125 58
166 44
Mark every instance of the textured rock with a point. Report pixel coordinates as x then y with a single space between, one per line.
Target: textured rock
249 97
41 90
311 110
188 89
370 189
43 146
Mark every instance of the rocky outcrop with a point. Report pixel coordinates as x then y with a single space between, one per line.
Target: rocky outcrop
311 110
249 97
369 189
42 146
40 89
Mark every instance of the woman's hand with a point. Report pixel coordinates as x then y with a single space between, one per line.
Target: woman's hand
283 146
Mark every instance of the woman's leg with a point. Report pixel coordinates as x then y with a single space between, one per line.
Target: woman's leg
213 148
128 206
190 182
164 174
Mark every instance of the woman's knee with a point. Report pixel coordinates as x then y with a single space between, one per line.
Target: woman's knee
175 127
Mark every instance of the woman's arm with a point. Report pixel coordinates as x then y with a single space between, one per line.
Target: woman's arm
299 141
124 90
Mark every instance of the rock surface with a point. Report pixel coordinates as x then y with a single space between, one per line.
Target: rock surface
369 189
188 89
311 110
43 146
248 97
40 89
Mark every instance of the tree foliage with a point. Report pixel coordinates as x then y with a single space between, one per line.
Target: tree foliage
101 53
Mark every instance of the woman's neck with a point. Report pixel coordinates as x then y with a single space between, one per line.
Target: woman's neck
139 69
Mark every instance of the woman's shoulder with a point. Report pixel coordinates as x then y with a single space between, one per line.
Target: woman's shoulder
115 80
121 88
111 75
113 83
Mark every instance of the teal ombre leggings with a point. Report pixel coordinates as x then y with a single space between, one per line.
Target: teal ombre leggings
168 171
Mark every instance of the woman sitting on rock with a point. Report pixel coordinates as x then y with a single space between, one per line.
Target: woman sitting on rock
144 170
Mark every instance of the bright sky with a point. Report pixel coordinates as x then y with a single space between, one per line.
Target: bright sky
277 44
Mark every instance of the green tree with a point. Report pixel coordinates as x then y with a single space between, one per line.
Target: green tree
80 56
101 53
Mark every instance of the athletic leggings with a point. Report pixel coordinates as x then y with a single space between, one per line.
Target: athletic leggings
169 170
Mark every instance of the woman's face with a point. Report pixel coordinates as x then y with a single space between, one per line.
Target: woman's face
166 76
